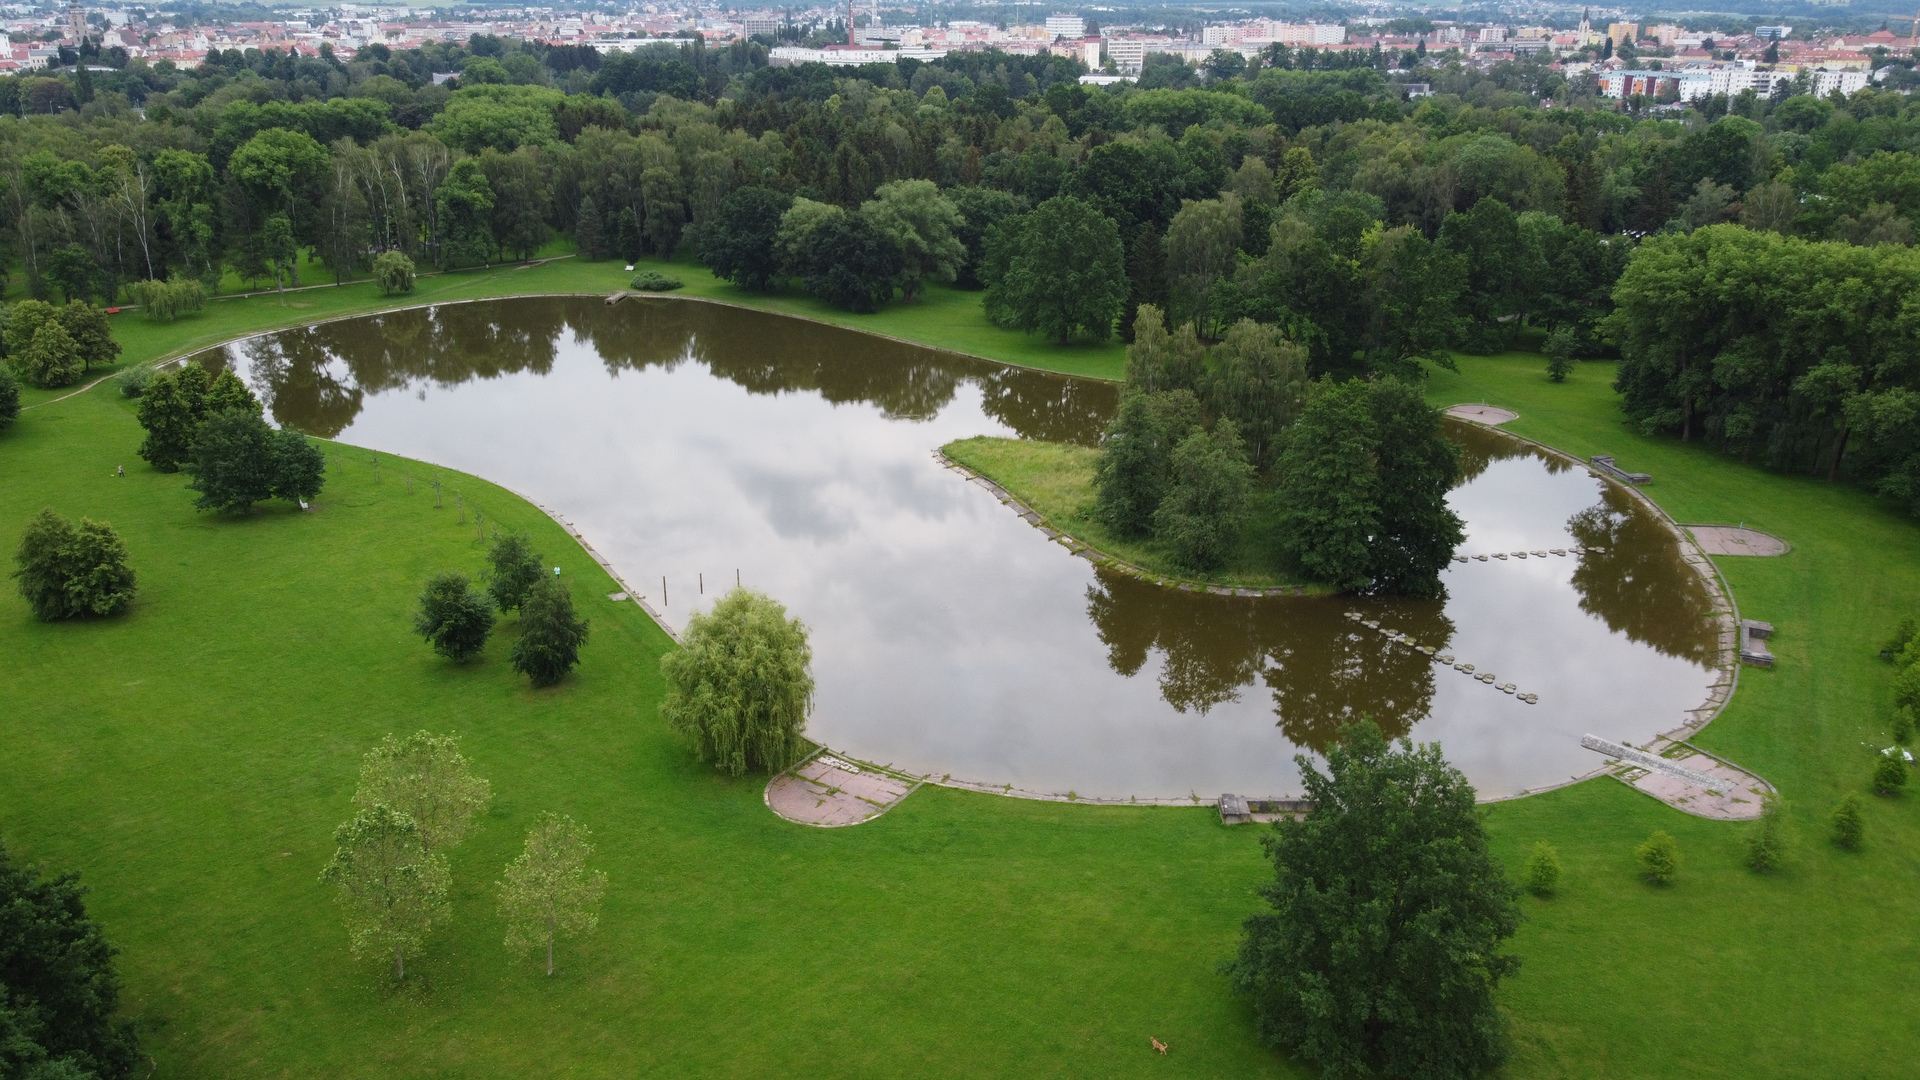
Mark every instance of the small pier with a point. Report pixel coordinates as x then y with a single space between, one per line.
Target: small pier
1604 463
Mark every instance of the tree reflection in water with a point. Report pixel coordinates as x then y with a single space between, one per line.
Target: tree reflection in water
1631 577
1322 670
315 378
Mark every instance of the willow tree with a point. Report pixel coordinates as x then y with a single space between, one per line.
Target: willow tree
740 685
548 890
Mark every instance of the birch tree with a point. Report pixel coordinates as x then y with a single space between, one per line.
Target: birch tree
548 891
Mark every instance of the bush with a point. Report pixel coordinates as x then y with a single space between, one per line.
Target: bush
454 616
1767 841
1659 858
9 399
1542 873
1903 726
66 572
1849 824
394 272
516 570
1902 636
133 381
740 686
551 633
654 281
1906 686
1890 771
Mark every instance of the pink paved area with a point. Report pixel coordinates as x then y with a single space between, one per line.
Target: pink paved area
830 792
1482 414
1738 800
1733 540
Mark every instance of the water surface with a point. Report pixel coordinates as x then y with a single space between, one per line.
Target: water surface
690 443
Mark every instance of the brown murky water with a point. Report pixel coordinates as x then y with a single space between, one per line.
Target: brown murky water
685 439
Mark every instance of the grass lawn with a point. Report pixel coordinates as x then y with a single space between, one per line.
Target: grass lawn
192 758
1056 479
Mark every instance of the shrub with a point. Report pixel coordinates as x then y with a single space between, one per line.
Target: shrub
1903 725
394 271
740 686
1659 858
1890 771
1849 824
454 616
516 570
551 633
9 399
1767 841
133 381
66 572
654 281
1906 687
1542 873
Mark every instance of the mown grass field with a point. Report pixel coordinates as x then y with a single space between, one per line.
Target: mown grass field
192 758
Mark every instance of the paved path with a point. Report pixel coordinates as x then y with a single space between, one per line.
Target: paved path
1686 778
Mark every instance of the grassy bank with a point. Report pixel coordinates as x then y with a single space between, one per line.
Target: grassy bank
1056 480
192 758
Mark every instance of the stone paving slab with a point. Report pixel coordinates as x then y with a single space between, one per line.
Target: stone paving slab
828 791
1736 540
1482 414
1693 781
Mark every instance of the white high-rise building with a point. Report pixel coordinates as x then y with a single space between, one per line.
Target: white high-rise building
1218 35
1066 26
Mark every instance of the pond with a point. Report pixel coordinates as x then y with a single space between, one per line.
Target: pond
691 444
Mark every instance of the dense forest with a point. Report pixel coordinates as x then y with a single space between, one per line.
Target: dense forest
1309 193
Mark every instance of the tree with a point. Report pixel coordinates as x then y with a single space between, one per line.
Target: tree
851 264
237 460
50 359
1890 772
394 271
1381 954
589 231
981 208
1659 857
740 686
1259 381
425 777
57 1017
464 205
1058 271
66 572
393 891
1329 492
1158 361
516 569
923 225
548 890
1415 532
1767 840
1131 475
1849 824
170 411
1205 506
740 245
1203 246
9 399
551 633
1561 345
92 337
1542 873
228 394
454 617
